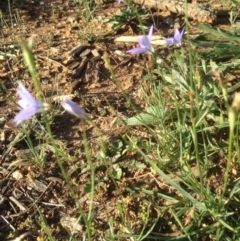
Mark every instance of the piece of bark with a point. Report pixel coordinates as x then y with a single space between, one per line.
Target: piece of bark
195 11
81 69
71 223
39 186
76 51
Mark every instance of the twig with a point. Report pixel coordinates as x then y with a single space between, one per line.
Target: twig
14 200
156 39
10 225
53 204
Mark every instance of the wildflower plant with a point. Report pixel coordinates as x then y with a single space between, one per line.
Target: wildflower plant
43 133
30 106
176 39
73 109
145 44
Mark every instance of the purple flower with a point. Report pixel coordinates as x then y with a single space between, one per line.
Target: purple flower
176 40
118 1
30 106
145 44
72 108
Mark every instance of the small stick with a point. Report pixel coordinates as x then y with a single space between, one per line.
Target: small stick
10 225
14 200
156 39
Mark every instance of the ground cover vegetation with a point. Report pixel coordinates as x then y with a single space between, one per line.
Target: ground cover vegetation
119 120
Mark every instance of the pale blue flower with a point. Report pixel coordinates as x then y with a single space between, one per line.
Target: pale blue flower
73 109
30 106
177 38
145 44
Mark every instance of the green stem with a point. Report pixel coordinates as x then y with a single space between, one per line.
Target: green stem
232 120
195 141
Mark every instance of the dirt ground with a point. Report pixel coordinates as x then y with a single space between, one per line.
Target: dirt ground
71 55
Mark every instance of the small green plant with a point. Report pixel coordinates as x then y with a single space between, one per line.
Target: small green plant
129 16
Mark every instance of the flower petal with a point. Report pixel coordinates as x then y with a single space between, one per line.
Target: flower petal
145 43
30 106
139 50
25 96
177 35
182 32
150 33
170 41
72 108
25 114
27 103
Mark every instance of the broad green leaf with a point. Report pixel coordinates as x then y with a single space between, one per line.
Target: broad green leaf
149 117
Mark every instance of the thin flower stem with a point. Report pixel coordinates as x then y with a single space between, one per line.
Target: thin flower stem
232 120
195 141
